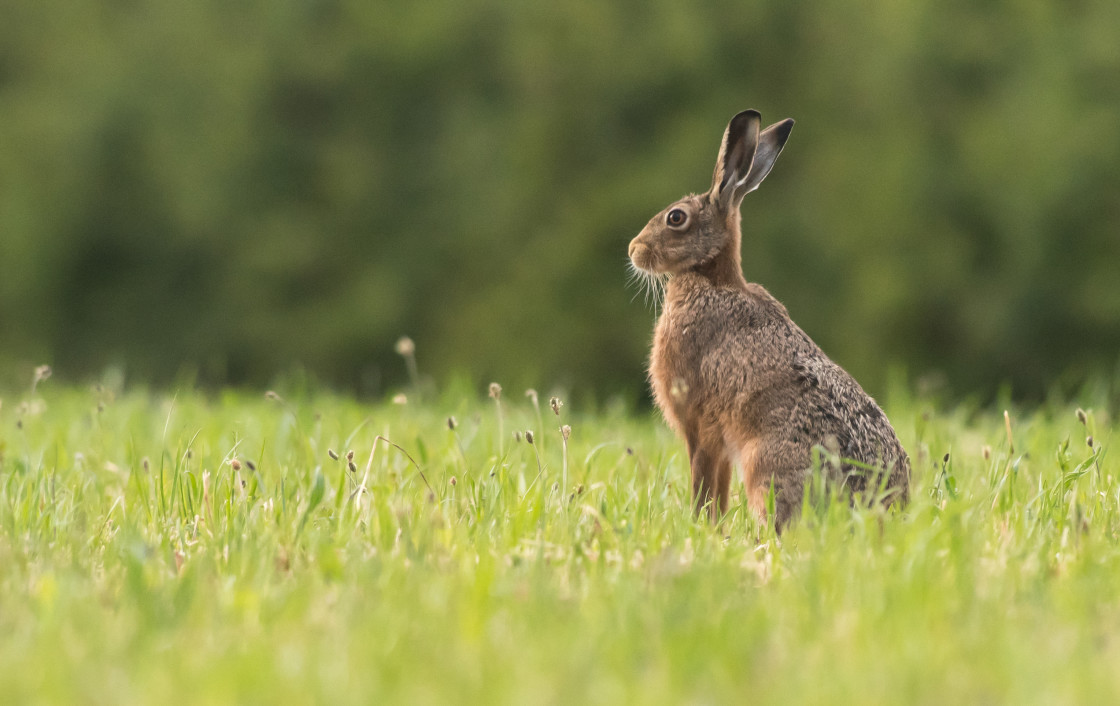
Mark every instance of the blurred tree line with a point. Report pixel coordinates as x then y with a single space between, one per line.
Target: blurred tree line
237 188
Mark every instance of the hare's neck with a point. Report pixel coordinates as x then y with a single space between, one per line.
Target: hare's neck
725 269
720 273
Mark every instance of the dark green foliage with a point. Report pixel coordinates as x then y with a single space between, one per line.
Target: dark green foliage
238 188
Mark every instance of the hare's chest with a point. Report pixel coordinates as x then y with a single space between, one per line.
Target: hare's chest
675 364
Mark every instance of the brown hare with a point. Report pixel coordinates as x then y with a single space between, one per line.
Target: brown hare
735 376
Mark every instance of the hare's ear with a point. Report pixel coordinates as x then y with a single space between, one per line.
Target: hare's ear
770 144
733 166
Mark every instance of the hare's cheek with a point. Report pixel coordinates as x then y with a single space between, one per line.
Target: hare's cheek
679 254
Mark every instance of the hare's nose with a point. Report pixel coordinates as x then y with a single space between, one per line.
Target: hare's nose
633 248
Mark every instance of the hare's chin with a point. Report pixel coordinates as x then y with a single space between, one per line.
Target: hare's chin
644 263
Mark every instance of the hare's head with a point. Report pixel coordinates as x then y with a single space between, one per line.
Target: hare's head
695 230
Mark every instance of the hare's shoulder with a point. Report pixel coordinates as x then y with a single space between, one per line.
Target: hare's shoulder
724 334
726 310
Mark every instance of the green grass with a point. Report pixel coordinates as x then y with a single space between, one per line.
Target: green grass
137 565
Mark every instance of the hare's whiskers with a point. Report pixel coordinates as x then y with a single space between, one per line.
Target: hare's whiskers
649 286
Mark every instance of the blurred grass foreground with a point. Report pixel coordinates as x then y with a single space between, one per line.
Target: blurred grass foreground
237 549
232 190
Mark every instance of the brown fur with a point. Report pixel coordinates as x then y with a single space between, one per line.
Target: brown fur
735 376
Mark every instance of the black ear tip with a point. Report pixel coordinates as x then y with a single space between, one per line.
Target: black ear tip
746 117
785 127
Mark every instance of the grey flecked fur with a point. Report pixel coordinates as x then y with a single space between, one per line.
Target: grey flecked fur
735 376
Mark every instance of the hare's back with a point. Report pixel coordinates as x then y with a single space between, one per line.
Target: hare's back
838 414
787 383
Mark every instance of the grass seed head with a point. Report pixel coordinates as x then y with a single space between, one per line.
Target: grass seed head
679 390
235 464
350 455
1081 416
41 373
452 423
453 481
565 431
495 390
529 436
352 466
400 399
533 396
556 404
986 452
332 454
405 346
517 436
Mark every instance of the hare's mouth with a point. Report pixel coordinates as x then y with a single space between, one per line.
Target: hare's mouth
641 257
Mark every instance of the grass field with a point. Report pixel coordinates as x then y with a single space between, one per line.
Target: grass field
207 548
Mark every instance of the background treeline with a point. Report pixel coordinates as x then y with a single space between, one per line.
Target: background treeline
235 188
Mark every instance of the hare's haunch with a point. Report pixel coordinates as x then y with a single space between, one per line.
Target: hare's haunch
735 376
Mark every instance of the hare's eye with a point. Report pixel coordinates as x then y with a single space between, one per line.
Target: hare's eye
676 218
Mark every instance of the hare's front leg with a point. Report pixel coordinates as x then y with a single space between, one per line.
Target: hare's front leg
711 479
